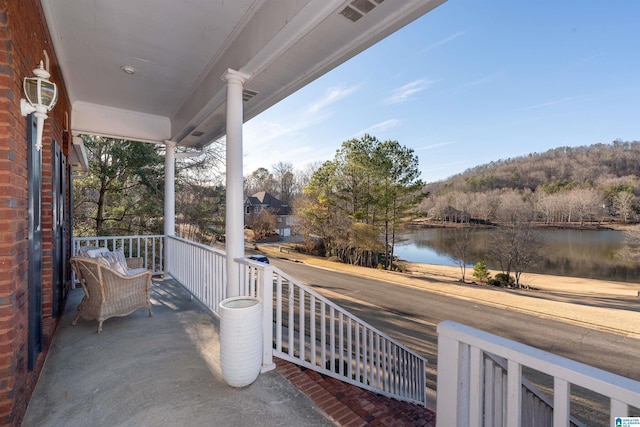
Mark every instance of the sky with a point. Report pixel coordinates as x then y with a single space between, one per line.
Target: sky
469 83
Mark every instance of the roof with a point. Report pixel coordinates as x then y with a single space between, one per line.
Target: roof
262 198
151 70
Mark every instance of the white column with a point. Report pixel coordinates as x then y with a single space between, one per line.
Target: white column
234 210
169 195
169 188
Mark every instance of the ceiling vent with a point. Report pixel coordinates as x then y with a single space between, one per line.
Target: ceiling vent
248 94
358 8
351 14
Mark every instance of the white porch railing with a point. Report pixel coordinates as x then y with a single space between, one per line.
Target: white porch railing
302 326
200 269
471 392
537 408
150 248
311 331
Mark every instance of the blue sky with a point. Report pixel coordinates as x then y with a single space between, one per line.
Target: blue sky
468 83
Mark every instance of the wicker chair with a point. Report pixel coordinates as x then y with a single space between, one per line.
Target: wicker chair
108 293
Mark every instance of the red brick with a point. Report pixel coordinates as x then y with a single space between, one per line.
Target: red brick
23 36
341 413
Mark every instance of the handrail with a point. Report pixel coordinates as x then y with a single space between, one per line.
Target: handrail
312 331
461 375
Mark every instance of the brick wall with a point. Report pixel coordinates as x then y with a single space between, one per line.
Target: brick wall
23 37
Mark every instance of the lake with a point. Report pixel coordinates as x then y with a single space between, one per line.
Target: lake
578 253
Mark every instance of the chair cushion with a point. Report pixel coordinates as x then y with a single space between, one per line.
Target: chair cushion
116 261
94 253
82 251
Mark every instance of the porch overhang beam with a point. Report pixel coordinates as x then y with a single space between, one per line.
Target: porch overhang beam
101 120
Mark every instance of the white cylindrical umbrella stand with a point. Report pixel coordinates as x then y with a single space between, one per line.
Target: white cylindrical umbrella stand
240 340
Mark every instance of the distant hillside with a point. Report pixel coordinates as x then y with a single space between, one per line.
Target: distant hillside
566 184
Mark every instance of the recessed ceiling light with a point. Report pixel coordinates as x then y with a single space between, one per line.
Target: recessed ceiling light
128 69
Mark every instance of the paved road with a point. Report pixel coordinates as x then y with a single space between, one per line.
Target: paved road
411 315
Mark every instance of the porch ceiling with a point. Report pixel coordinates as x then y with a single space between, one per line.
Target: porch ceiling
181 49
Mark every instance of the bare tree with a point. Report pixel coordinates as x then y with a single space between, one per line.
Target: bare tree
482 206
587 203
263 223
259 180
513 207
461 249
623 204
516 246
284 181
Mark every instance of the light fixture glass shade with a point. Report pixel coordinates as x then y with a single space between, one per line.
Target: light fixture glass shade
40 91
41 96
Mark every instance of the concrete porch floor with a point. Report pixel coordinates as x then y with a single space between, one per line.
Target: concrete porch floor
165 371
160 370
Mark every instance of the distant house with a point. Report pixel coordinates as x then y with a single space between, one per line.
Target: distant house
262 200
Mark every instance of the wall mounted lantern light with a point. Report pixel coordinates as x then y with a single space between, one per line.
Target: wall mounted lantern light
41 97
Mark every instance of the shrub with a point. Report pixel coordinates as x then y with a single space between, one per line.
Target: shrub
481 272
494 282
505 279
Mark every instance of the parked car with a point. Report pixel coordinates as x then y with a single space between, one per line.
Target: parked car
259 258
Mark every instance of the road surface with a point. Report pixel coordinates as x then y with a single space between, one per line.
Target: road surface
410 315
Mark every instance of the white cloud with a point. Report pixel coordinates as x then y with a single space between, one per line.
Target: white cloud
333 94
560 101
432 146
486 79
444 41
405 92
378 127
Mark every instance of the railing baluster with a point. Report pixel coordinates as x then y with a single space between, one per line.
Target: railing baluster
371 358
618 409
378 361
301 324
312 325
323 334
291 325
488 391
475 387
561 407
341 342
279 314
385 366
332 339
350 350
514 392
358 353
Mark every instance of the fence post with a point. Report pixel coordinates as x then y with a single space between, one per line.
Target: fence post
265 292
448 406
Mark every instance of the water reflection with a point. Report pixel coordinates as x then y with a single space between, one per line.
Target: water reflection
577 253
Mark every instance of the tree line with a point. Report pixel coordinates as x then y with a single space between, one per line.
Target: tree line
565 185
